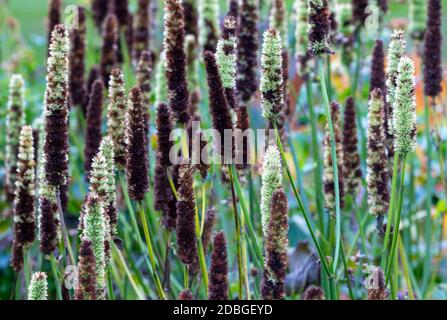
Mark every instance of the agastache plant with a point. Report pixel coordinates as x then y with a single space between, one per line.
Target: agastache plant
141 33
377 177
319 27
116 115
86 287
174 42
109 48
226 58
396 51
14 122
271 181
143 75
276 244
38 288
272 76
54 18
218 285
24 208
404 116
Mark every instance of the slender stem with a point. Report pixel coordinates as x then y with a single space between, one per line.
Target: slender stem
316 156
406 267
150 250
334 165
396 220
201 252
56 275
390 211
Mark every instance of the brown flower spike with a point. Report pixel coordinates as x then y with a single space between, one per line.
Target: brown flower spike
218 285
351 157
186 227
174 41
54 17
218 104
141 32
77 60
276 244
86 289
144 75
94 121
137 163
247 51
433 50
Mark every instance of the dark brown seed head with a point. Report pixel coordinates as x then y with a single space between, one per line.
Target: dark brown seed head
191 18
179 102
17 256
86 289
276 244
56 110
141 32
77 60
219 109
122 12
247 51
94 121
99 11
218 285
319 27
233 8
433 50
351 157
314 293
186 234
109 47
164 128
242 145
48 226
137 163
378 76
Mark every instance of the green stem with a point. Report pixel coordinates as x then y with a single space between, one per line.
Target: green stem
150 250
334 165
316 156
201 252
396 221
390 211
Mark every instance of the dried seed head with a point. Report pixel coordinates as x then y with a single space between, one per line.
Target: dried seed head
276 244
137 162
417 17
141 35
56 146
271 181
191 18
186 235
38 288
404 116
208 24
77 60
396 51
99 11
351 157
328 175
94 123
86 289
218 285
17 257
116 116
48 219
272 76
319 27
109 48
377 177
433 50
14 122
174 43
247 51
314 293
24 210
